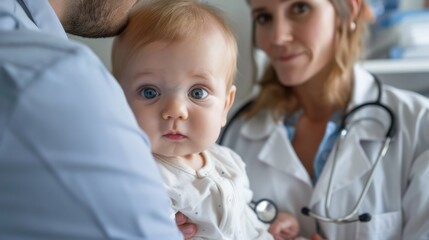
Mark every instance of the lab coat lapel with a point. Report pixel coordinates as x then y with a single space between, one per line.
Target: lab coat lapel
358 150
277 150
279 154
354 158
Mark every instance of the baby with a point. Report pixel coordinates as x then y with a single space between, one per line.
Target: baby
176 62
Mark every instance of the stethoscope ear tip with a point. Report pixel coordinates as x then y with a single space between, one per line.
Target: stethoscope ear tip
305 211
366 217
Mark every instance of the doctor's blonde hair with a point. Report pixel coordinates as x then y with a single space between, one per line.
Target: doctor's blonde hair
281 100
170 21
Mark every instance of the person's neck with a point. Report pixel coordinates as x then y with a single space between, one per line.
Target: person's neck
195 160
58 6
310 98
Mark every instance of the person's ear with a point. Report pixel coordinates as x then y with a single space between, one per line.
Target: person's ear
229 100
356 6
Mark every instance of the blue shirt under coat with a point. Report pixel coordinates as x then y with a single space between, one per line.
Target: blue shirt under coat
326 145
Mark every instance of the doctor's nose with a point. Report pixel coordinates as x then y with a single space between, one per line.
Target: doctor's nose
281 33
174 108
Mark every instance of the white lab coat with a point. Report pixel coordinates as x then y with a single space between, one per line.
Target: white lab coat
398 198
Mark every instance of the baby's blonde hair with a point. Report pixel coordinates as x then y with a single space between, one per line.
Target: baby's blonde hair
170 21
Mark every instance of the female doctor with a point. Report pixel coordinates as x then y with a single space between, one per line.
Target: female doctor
370 183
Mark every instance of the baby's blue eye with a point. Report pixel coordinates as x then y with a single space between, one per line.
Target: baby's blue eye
198 93
149 93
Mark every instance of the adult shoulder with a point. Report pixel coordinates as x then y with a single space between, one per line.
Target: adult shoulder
36 52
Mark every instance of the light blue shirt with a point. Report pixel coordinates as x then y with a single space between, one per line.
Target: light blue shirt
331 134
73 162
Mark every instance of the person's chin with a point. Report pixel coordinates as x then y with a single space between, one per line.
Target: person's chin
98 30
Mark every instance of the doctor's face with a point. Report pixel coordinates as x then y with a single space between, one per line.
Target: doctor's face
297 35
179 93
95 18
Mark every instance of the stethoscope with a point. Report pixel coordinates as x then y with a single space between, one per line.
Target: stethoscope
351 216
265 209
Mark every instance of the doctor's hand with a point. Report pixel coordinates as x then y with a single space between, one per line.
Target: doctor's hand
188 229
284 227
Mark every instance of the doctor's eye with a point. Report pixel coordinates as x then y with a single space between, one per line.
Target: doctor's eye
262 18
149 92
198 93
300 8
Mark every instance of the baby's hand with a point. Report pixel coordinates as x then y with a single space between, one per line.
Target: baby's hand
284 227
188 229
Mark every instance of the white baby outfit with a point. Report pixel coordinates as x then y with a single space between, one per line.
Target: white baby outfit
214 197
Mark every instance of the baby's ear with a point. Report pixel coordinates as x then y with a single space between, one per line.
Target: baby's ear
229 100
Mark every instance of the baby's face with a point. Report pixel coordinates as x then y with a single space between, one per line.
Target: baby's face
178 93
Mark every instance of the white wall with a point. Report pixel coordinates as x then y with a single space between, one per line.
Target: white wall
411 4
238 16
100 46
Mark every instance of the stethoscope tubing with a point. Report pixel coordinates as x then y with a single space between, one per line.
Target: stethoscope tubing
347 218
365 217
234 117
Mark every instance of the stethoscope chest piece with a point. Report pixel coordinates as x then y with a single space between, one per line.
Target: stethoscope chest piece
265 209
